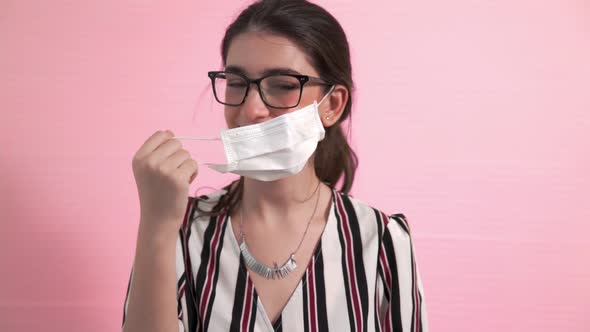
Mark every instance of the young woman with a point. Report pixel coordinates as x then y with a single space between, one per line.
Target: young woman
280 249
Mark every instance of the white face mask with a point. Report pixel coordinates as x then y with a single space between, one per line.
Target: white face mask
274 149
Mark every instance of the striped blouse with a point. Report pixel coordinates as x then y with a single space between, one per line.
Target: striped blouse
362 276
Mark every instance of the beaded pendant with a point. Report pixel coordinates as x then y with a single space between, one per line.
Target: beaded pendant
275 272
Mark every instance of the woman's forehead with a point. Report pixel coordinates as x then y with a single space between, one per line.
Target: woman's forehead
257 53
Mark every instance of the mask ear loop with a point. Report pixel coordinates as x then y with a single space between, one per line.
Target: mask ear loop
327 94
198 139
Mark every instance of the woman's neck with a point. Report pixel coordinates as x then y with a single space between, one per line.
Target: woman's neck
281 198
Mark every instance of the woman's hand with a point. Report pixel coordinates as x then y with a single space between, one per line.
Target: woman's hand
163 171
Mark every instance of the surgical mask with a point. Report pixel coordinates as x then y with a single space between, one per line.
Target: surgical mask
274 149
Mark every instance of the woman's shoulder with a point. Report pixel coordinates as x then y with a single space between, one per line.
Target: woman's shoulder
201 207
209 200
386 219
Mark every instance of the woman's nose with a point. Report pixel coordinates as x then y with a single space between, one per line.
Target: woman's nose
253 107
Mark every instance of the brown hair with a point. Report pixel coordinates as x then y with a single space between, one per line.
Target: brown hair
321 37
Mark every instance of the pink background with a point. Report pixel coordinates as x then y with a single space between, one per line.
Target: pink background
471 117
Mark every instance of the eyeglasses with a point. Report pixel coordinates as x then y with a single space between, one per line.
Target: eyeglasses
276 90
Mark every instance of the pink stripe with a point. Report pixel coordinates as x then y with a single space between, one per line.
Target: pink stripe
246 314
180 295
388 280
185 226
350 265
386 268
181 291
384 220
187 258
187 213
378 310
388 319
211 266
384 262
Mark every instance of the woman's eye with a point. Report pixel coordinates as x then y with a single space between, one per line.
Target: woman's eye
236 84
283 86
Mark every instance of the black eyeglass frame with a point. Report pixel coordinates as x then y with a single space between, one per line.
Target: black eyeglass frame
301 78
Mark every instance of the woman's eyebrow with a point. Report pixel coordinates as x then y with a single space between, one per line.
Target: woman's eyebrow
279 70
268 71
235 69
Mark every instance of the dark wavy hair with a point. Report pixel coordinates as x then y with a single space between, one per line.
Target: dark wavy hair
322 39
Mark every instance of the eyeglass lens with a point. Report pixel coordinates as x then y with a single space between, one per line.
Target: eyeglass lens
276 91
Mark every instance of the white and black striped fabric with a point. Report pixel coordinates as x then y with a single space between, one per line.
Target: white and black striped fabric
363 276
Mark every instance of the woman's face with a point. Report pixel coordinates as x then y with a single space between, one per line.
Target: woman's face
256 53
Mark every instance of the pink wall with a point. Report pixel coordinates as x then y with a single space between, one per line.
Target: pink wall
471 117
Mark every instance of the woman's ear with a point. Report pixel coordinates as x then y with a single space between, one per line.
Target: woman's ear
332 108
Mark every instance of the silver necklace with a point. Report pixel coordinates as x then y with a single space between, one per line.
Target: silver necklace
274 272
